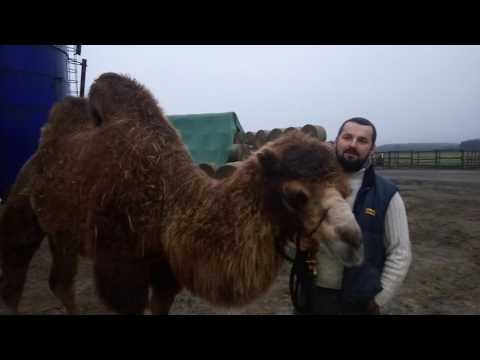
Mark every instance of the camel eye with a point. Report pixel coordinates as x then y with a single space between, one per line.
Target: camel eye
295 200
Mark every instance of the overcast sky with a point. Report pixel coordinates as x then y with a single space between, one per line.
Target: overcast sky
411 93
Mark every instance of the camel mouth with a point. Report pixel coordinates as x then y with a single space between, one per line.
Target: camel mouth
347 254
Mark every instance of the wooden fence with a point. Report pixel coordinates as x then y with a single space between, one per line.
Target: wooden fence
428 159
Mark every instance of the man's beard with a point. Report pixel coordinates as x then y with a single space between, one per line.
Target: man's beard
350 166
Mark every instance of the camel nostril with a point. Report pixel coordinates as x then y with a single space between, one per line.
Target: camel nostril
350 235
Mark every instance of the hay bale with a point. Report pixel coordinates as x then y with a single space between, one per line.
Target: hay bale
250 138
274 134
209 169
261 137
227 169
315 131
289 129
238 152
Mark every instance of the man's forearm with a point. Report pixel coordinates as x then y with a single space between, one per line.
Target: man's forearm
398 250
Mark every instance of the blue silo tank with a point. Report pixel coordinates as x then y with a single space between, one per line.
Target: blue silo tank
32 79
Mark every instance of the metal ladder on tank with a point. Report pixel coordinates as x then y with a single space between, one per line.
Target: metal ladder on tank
72 69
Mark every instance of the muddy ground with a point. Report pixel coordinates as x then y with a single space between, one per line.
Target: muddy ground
444 219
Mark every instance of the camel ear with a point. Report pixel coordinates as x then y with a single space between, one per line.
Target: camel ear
269 161
294 196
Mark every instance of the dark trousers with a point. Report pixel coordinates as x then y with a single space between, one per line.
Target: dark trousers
325 301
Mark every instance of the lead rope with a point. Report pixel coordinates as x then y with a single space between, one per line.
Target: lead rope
301 281
302 274
303 271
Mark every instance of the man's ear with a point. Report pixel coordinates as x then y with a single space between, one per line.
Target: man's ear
333 144
268 161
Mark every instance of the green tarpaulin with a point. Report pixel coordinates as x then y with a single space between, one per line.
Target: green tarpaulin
209 137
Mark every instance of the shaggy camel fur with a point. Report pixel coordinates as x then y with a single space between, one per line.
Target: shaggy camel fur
112 180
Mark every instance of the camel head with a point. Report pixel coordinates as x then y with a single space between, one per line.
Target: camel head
305 189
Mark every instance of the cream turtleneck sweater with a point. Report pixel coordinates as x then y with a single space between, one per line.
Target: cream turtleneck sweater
397 245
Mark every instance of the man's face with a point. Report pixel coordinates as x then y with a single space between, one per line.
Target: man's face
354 145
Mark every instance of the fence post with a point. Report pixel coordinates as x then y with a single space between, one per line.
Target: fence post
462 158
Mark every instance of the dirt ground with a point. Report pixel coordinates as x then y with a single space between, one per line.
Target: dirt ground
444 219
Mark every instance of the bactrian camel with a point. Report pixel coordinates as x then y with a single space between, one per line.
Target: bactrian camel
112 180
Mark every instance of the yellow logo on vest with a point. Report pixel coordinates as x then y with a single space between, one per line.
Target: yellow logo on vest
370 211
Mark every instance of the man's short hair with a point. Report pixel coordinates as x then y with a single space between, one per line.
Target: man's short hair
360 121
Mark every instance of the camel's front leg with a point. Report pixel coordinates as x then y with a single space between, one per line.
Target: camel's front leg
164 288
161 301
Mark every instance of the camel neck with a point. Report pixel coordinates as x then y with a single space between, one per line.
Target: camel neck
227 234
